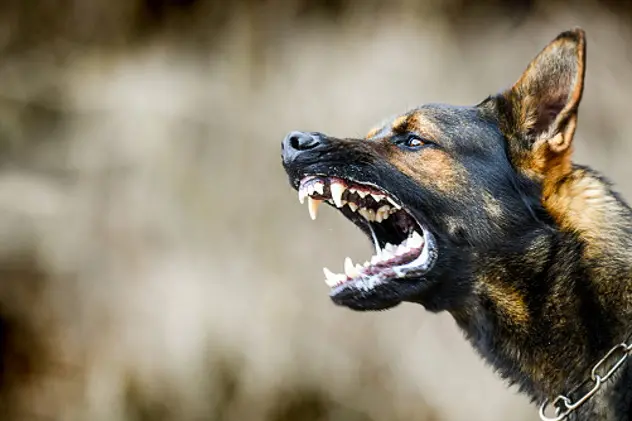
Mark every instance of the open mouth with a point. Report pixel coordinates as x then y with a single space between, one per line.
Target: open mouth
404 247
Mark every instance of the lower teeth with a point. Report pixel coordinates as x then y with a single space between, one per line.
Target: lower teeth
414 242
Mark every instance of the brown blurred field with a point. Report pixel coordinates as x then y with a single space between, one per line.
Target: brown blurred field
155 264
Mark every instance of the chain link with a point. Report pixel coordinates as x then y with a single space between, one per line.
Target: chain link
564 405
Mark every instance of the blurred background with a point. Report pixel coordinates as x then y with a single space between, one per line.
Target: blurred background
154 262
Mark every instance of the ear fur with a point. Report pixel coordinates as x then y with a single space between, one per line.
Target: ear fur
540 109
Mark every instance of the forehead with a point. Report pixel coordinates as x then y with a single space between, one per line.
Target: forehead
442 122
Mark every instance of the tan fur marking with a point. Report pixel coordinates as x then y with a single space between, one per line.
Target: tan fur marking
528 118
508 300
432 167
373 132
425 127
399 123
581 203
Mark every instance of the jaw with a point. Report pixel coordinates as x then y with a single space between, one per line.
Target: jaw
405 249
381 296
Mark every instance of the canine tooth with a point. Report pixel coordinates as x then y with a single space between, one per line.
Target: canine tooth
348 264
312 206
302 194
377 197
352 206
351 270
333 279
319 187
337 189
330 277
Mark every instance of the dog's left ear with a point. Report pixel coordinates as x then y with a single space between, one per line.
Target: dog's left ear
540 110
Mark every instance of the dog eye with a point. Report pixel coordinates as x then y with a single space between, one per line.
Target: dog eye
414 142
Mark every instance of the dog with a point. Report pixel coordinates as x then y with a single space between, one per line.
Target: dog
479 211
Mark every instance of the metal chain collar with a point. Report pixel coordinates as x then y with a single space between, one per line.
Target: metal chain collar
564 406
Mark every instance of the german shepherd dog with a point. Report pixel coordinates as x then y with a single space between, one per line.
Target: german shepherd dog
480 211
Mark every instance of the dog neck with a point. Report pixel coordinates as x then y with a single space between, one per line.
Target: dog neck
546 312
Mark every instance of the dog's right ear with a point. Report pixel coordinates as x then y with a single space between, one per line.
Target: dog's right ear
539 112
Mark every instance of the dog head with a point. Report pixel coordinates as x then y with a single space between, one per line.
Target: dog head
439 187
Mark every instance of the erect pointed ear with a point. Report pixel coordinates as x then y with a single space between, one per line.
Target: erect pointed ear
542 105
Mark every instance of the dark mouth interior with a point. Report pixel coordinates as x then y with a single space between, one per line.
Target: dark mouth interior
399 240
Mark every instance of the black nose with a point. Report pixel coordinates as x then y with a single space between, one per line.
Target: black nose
296 143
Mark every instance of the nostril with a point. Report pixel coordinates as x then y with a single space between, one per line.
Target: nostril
302 141
295 142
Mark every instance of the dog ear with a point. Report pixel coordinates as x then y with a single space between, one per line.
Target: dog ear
541 107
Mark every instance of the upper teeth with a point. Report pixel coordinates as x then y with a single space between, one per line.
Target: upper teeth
316 187
337 189
350 270
312 206
319 187
302 194
315 190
